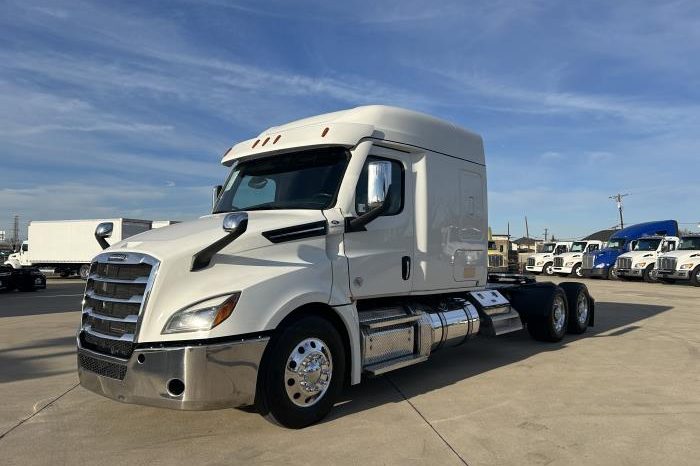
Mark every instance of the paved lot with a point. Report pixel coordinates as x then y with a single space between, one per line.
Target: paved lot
626 392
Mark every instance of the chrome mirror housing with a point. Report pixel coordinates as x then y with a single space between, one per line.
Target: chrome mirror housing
378 182
234 221
104 230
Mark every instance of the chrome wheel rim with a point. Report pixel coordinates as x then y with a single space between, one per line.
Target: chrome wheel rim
559 314
582 309
549 270
579 273
308 372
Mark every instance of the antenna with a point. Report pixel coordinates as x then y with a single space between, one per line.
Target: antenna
618 199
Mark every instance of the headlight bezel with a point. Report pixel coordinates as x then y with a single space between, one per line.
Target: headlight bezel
686 266
203 315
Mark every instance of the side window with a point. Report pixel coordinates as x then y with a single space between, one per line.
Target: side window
397 188
25 247
592 247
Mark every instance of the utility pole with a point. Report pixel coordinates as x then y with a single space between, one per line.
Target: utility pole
546 230
527 230
618 199
15 232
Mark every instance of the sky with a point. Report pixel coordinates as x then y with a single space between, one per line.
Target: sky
124 109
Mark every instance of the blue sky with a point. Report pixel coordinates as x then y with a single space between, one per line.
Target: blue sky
124 109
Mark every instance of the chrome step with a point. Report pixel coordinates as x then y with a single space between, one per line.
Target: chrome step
386 366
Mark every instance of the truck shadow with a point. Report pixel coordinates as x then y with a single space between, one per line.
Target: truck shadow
37 360
482 355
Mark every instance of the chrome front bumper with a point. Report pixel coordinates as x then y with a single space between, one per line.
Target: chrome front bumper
630 272
674 274
211 376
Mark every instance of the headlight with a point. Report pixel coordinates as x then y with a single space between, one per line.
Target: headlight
539 263
204 315
600 266
687 266
569 264
640 265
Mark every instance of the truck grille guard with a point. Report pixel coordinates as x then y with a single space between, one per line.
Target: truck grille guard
116 294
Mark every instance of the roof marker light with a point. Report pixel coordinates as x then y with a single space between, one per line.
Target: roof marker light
265 141
255 144
325 131
277 139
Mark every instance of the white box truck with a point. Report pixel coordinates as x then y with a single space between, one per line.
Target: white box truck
569 263
340 246
67 246
543 261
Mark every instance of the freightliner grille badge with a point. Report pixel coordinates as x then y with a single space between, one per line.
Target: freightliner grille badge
117 257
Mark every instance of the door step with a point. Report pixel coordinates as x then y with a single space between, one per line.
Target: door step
494 325
386 366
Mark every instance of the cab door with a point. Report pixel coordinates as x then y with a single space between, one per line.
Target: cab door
380 258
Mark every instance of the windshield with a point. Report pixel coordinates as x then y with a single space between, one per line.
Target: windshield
647 244
691 243
578 246
299 180
548 247
616 243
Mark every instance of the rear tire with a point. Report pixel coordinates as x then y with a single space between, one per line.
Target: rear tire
64 273
667 281
579 303
302 373
530 302
695 276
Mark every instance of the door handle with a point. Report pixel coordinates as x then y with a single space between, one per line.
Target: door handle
405 267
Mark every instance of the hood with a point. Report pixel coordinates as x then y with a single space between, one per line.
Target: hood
636 255
606 256
571 255
188 238
682 255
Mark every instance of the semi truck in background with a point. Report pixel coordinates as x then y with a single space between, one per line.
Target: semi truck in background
601 263
66 247
640 261
543 261
569 263
683 264
340 246
498 262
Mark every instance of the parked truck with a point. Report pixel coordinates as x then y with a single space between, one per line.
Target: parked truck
498 262
640 261
340 246
66 247
601 263
682 264
569 263
543 261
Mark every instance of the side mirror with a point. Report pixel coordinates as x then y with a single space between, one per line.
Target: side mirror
104 230
378 182
216 192
234 224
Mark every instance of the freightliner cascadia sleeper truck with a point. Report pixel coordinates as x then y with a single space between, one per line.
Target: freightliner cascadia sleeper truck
341 246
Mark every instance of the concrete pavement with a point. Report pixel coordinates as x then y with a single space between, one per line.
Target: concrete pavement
626 392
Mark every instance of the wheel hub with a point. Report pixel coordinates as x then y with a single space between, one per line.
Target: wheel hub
582 309
559 312
308 372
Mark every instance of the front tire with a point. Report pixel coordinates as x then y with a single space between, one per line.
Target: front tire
646 275
302 373
548 269
577 272
695 276
612 274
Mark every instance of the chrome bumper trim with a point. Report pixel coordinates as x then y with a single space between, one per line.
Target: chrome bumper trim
215 376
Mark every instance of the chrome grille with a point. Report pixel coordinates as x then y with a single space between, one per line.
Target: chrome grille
624 263
587 262
558 262
666 263
530 261
115 295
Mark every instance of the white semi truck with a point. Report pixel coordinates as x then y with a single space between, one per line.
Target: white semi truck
569 263
682 264
67 246
543 262
326 259
640 261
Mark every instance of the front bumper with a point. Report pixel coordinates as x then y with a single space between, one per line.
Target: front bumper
673 274
534 268
636 273
218 375
601 272
563 270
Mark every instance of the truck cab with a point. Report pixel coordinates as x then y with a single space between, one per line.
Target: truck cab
569 263
640 261
681 264
543 262
340 246
601 263
20 258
